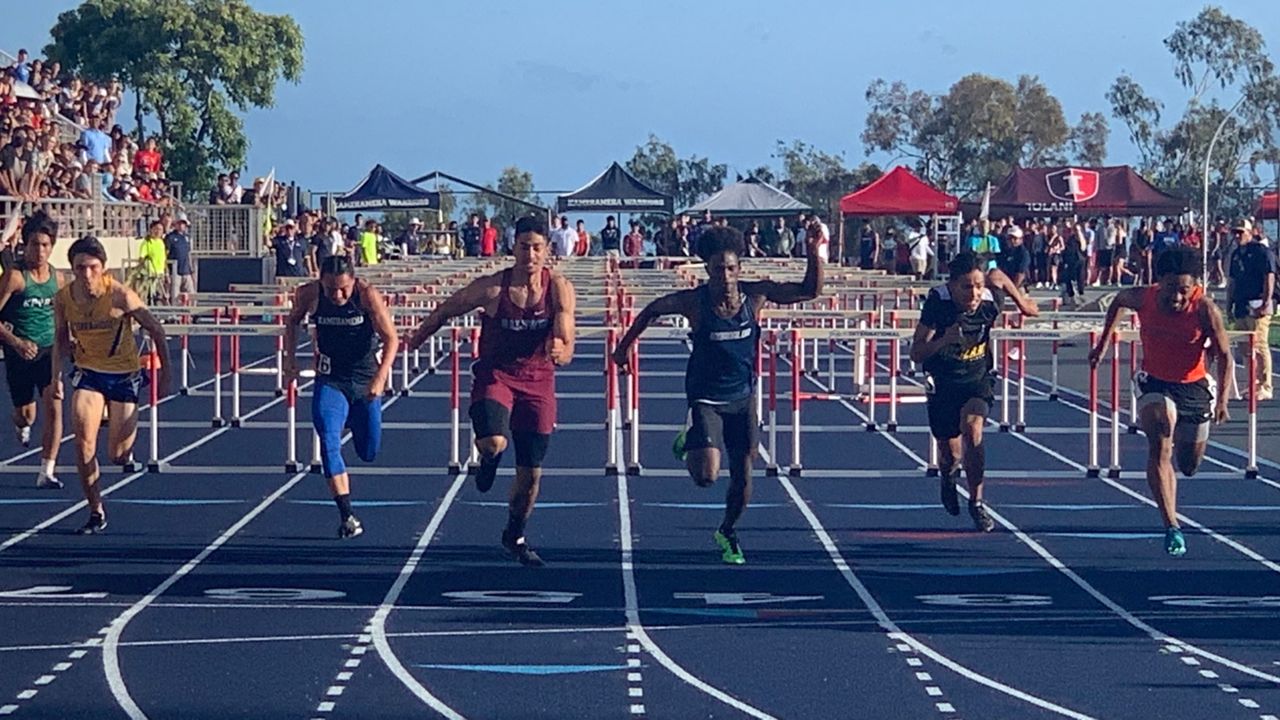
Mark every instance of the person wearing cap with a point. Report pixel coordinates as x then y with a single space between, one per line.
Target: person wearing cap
1250 289
410 240
177 245
290 251
154 260
1015 260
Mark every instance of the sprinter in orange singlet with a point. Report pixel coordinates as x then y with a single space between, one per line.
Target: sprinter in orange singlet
1178 325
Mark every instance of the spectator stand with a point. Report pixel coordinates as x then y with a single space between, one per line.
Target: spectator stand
900 192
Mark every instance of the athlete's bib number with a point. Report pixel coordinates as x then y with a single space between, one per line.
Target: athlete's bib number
323 366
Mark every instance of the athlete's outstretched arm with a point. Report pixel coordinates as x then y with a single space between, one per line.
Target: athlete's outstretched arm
786 293
304 303
564 325
681 302
1220 353
1130 299
386 330
11 282
134 308
1002 282
474 295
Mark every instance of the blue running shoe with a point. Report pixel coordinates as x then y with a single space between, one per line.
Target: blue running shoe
1174 543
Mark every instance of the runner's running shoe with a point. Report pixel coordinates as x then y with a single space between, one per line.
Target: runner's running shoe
47 482
520 551
350 528
730 550
24 435
677 447
981 518
1174 543
97 523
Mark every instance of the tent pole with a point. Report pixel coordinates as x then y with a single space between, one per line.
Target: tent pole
840 242
933 266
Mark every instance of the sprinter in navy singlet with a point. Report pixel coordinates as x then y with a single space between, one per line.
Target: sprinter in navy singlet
351 322
721 374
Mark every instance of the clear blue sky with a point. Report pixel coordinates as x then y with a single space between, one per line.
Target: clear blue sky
562 87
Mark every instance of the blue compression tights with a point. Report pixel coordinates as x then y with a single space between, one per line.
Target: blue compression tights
331 413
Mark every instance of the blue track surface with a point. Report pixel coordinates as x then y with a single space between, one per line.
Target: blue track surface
219 590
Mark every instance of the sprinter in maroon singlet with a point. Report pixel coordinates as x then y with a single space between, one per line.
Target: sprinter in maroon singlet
527 329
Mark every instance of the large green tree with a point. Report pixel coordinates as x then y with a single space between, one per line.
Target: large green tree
818 178
977 131
193 66
689 180
1230 82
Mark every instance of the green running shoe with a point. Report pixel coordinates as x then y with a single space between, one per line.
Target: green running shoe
1174 543
731 551
677 447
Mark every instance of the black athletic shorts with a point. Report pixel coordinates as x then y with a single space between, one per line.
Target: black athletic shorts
27 378
946 400
1104 257
731 425
1193 401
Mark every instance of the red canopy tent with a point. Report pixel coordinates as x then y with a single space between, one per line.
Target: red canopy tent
899 192
1269 206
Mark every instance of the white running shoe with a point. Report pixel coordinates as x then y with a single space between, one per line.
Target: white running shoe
24 435
48 482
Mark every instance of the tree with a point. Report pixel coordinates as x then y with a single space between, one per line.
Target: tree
818 178
1218 60
688 180
192 65
975 133
1087 141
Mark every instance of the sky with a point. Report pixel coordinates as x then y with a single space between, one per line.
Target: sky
563 87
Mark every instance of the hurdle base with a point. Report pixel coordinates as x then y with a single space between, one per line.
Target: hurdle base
1133 429
931 471
235 422
611 471
293 466
316 468
891 427
431 370
1005 427
1251 473
406 392
871 427
635 470
1113 473
279 392
184 391
1093 472
1053 396
130 467
154 466
771 471
1020 428
217 422
795 471
454 468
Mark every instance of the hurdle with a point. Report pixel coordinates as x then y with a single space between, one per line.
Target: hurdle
235 370
455 337
216 420
153 362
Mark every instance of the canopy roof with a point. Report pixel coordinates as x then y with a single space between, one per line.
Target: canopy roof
750 198
1066 190
615 190
1269 206
382 189
899 192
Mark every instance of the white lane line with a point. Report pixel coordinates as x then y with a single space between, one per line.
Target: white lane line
895 632
379 620
633 614
45 679
128 479
1153 633
111 644
27 694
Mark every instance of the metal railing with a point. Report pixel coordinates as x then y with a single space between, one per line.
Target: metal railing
216 230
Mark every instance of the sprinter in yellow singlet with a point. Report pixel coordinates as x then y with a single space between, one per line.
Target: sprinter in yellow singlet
93 322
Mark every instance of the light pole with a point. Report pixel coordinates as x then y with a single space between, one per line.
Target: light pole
1204 218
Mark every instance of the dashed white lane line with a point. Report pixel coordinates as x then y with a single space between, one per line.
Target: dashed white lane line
635 677
344 676
44 680
1226 688
933 691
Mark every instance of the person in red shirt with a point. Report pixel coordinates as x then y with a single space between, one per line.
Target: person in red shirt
489 239
1178 326
147 160
633 243
584 241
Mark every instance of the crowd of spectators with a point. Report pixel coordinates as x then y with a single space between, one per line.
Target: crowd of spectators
58 139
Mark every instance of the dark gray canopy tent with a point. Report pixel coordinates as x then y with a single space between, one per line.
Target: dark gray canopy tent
750 198
615 190
382 189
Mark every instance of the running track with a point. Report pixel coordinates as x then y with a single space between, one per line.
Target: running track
219 590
